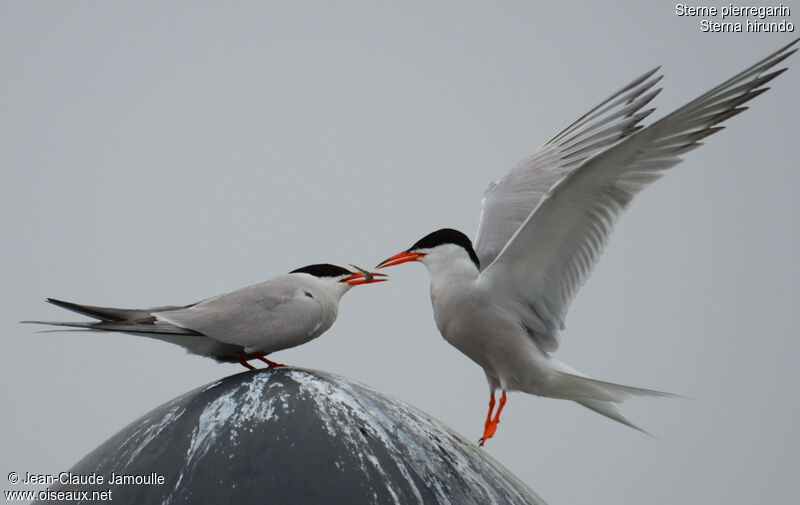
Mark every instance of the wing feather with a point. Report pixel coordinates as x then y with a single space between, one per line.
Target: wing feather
264 317
509 201
550 256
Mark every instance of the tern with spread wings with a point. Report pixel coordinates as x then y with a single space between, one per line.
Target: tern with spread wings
249 323
502 301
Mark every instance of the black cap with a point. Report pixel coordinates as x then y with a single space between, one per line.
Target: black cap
322 270
447 236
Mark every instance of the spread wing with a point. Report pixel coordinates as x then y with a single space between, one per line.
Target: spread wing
555 249
509 201
266 317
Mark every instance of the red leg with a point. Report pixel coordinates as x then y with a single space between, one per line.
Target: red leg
491 426
491 409
243 361
488 419
270 363
500 408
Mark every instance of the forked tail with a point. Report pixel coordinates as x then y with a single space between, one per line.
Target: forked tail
602 397
145 322
114 319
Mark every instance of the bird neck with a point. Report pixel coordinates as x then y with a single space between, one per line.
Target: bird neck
339 289
456 265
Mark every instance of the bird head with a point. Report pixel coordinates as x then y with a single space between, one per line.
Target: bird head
445 247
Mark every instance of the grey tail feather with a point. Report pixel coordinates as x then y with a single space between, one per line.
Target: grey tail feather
627 391
102 313
610 410
114 319
110 314
602 397
129 327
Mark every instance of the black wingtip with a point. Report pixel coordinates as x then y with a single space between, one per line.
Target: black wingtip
60 303
768 77
787 46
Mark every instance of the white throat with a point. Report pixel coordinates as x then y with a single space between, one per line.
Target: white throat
449 260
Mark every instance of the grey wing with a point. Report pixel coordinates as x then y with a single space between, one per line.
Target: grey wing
263 318
554 251
509 201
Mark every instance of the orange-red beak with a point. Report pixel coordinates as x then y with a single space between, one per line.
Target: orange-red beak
364 277
400 258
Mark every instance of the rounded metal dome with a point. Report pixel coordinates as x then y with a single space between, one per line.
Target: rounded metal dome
293 436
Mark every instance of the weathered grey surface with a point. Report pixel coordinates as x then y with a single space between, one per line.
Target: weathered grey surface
290 436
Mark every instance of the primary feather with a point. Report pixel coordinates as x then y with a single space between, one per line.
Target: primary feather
555 249
509 201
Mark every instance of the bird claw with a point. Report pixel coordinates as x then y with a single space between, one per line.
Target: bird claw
488 431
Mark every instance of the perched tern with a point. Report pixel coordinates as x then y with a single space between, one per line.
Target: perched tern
502 301
242 325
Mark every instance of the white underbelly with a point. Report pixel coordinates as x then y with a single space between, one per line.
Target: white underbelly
507 355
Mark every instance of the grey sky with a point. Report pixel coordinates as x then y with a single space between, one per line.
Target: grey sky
162 153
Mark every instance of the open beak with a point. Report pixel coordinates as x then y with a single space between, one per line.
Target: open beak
400 258
363 277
